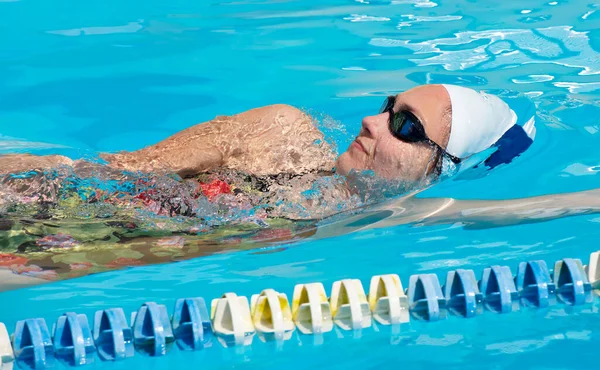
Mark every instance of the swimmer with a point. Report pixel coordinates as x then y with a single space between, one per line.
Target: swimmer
281 139
413 137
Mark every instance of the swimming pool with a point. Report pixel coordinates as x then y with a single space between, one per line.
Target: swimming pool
104 76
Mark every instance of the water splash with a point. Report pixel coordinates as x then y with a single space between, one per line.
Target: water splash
331 128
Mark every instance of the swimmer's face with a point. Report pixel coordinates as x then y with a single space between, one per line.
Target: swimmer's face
378 150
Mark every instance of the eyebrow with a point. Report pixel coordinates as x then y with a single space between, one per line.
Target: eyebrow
408 107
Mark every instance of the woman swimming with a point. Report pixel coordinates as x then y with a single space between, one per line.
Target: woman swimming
413 137
257 170
282 139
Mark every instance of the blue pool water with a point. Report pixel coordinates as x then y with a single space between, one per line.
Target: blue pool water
81 77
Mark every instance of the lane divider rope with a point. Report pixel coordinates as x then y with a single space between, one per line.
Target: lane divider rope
234 321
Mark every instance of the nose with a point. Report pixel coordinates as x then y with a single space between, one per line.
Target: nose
372 125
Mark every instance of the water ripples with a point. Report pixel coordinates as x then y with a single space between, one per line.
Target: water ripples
102 81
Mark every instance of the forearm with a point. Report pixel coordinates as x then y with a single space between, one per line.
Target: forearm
186 153
16 163
190 151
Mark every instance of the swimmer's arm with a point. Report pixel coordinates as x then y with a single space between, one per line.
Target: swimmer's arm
16 163
267 140
492 213
187 152
196 149
145 160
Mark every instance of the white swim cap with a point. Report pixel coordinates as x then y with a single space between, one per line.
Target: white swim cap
479 120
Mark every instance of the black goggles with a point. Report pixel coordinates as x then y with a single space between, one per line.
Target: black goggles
405 126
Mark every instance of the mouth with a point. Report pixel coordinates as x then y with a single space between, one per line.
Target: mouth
358 145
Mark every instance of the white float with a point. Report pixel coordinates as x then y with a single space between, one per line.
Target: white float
231 319
349 305
310 309
593 271
7 356
387 300
272 315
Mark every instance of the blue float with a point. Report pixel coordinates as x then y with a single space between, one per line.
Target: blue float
152 332
32 344
534 284
462 293
425 298
498 288
73 341
572 284
112 334
191 324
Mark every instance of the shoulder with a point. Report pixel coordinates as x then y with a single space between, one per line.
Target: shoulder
279 138
284 112
279 119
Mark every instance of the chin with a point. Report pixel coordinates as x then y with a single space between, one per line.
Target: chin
341 164
345 163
